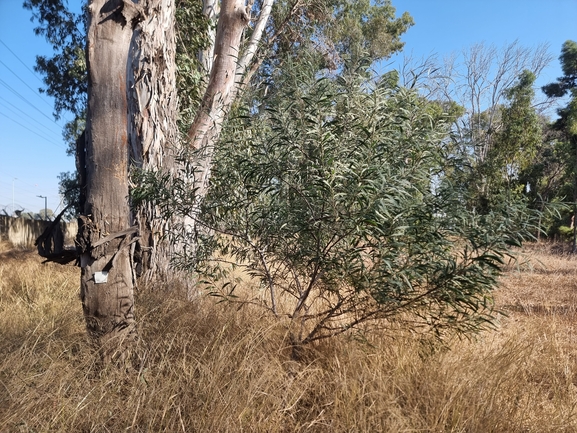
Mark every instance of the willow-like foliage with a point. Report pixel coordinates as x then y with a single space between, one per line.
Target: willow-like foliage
333 195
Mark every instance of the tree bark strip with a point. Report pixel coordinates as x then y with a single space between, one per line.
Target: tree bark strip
153 131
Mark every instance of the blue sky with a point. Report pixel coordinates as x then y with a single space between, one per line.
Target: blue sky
33 154
445 26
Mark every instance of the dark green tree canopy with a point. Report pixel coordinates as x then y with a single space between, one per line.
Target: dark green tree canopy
520 135
65 72
556 169
365 28
566 85
568 81
334 30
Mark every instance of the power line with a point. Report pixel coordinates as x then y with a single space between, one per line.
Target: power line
26 84
18 188
20 180
33 73
26 114
34 132
28 102
24 198
20 60
47 184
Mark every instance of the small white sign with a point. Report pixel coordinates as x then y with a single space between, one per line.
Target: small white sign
100 277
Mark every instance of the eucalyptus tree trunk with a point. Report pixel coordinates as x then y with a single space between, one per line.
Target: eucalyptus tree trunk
228 75
131 119
218 97
153 131
105 232
210 9
153 111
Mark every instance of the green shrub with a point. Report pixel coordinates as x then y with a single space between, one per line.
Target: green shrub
566 232
332 193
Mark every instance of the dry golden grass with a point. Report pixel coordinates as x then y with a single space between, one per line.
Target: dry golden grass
206 367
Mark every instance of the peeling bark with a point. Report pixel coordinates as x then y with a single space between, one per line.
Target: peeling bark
153 133
136 59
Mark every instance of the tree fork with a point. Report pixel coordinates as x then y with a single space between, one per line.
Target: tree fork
220 92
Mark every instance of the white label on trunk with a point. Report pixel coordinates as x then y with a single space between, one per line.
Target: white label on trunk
100 277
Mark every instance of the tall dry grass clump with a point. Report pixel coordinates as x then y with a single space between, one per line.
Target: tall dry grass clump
207 367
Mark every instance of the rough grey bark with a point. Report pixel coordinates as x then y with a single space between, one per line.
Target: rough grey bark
153 132
105 232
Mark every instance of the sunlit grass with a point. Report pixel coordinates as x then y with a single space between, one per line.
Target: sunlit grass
206 367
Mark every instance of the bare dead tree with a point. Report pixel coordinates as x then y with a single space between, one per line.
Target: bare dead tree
477 80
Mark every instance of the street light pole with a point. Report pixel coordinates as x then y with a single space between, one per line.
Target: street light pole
45 205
